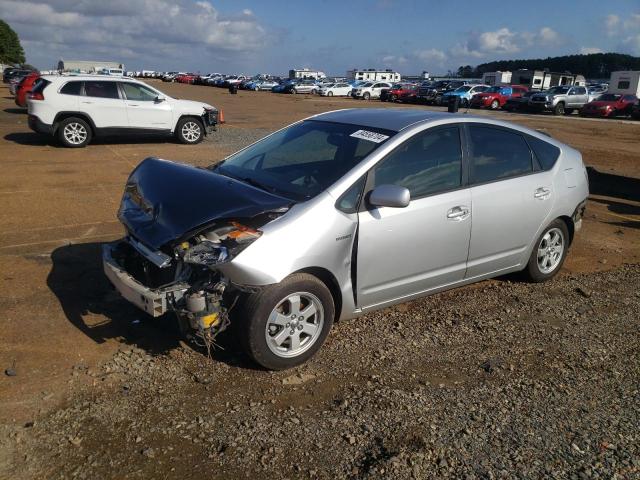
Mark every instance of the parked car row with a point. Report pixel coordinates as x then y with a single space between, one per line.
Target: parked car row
591 100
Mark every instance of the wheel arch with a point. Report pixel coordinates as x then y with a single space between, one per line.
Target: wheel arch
570 226
184 116
60 116
330 281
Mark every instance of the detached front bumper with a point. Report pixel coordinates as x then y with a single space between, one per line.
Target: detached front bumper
155 302
210 120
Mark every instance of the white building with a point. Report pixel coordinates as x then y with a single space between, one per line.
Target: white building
496 78
306 73
374 75
626 82
87 66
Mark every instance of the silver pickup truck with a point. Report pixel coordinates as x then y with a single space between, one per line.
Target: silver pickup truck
559 100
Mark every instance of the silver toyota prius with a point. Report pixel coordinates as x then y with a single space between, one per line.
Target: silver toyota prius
338 215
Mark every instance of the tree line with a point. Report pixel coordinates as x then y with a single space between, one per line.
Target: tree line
593 65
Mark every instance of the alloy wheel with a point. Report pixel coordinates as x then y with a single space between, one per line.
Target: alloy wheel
550 250
191 131
75 133
295 324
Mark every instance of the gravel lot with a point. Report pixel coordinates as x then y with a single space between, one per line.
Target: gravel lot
504 380
497 380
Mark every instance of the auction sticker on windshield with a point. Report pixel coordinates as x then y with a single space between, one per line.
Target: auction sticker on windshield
370 136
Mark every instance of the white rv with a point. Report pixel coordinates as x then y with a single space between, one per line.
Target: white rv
374 75
306 73
542 80
625 82
496 78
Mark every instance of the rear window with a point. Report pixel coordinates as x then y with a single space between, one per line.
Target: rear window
101 89
71 88
546 153
40 85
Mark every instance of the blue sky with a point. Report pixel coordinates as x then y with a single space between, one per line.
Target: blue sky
252 36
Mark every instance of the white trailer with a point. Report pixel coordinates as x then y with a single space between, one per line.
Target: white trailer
626 82
496 78
374 75
306 73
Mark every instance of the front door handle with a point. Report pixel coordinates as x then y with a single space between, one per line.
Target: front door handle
87 103
458 213
542 193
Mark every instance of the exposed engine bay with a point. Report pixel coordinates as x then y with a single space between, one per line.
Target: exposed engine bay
185 280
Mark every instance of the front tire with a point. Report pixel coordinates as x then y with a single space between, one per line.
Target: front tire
329 94
283 325
549 252
366 96
189 131
74 132
495 105
559 109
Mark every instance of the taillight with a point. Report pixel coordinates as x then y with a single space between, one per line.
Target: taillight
36 96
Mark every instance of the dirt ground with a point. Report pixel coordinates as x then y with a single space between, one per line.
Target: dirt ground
58 204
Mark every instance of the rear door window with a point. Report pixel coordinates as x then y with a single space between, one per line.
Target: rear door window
71 88
101 89
497 154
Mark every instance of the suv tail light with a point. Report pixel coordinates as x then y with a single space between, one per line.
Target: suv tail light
36 96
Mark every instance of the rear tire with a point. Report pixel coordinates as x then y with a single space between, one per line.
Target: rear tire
549 252
274 329
189 131
74 132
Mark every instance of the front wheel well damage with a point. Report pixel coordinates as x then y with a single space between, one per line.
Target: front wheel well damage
326 277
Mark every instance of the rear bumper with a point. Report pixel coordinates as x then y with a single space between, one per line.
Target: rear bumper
39 126
155 302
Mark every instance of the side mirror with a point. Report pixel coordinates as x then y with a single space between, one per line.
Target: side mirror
390 196
160 98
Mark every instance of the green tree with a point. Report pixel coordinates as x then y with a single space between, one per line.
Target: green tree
10 49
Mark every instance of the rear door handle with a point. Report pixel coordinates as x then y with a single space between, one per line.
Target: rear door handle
542 193
87 103
458 213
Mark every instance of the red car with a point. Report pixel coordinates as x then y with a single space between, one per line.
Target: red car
609 105
497 96
399 92
24 87
186 78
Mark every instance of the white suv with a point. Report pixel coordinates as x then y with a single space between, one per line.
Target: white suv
77 108
369 90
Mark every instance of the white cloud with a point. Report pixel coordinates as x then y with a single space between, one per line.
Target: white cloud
611 23
504 41
431 55
627 31
589 50
149 30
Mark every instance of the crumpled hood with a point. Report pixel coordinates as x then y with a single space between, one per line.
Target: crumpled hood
165 201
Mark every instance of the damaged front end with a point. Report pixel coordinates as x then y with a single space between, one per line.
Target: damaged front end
178 235
186 282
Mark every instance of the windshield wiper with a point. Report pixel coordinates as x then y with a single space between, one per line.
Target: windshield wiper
257 184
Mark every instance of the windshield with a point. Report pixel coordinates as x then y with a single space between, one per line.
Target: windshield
609 97
464 88
559 90
305 159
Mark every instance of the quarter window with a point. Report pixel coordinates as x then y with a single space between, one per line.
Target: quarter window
497 154
428 163
133 91
101 89
546 153
71 88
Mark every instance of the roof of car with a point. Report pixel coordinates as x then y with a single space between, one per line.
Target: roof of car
394 119
65 77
